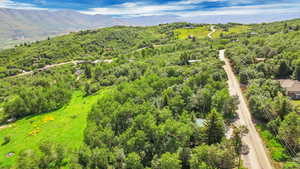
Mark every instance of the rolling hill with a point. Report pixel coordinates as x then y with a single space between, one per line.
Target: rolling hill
18 26
142 109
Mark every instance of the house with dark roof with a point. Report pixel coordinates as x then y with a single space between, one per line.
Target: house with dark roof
292 88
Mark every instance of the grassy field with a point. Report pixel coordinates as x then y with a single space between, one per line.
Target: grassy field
232 30
64 126
202 32
297 104
217 34
199 32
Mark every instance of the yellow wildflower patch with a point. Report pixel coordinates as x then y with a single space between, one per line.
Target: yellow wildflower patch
34 132
47 119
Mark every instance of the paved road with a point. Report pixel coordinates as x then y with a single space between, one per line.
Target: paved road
213 30
257 157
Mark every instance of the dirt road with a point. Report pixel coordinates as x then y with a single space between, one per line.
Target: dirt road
5 126
257 157
213 30
59 64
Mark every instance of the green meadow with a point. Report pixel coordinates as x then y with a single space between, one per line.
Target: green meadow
199 32
232 30
297 104
202 32
65 126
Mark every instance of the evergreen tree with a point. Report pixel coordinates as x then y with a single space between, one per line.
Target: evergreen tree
284 69
297 70
238 133
282 105
184 58
214 127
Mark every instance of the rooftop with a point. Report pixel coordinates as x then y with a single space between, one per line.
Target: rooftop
200 122
290 85
260 59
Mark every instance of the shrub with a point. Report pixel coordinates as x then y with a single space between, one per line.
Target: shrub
291 165
276 149
6 140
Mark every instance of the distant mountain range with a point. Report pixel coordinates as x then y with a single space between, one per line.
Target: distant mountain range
244 19
17 26
152 20
22 25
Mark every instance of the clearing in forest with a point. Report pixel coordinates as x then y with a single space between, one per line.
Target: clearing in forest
231 30
64 126
198 32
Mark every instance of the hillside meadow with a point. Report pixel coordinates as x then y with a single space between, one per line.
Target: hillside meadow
65 126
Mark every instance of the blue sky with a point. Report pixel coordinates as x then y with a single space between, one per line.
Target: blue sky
183 8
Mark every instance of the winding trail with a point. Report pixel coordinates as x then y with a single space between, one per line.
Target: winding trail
75 62
213 30
257 157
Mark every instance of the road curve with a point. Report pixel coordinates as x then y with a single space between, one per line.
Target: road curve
257 158
213 30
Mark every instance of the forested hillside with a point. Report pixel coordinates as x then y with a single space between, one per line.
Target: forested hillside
157 108
147 97
85 45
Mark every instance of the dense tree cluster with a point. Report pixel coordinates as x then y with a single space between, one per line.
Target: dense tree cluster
159 89
36 100
50 156
168 104
40 93
150 122
84 45
267 103
265 55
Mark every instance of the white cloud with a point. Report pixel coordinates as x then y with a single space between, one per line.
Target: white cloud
246 10
188 8
145 9
186 2
17 5
182 8
140 9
